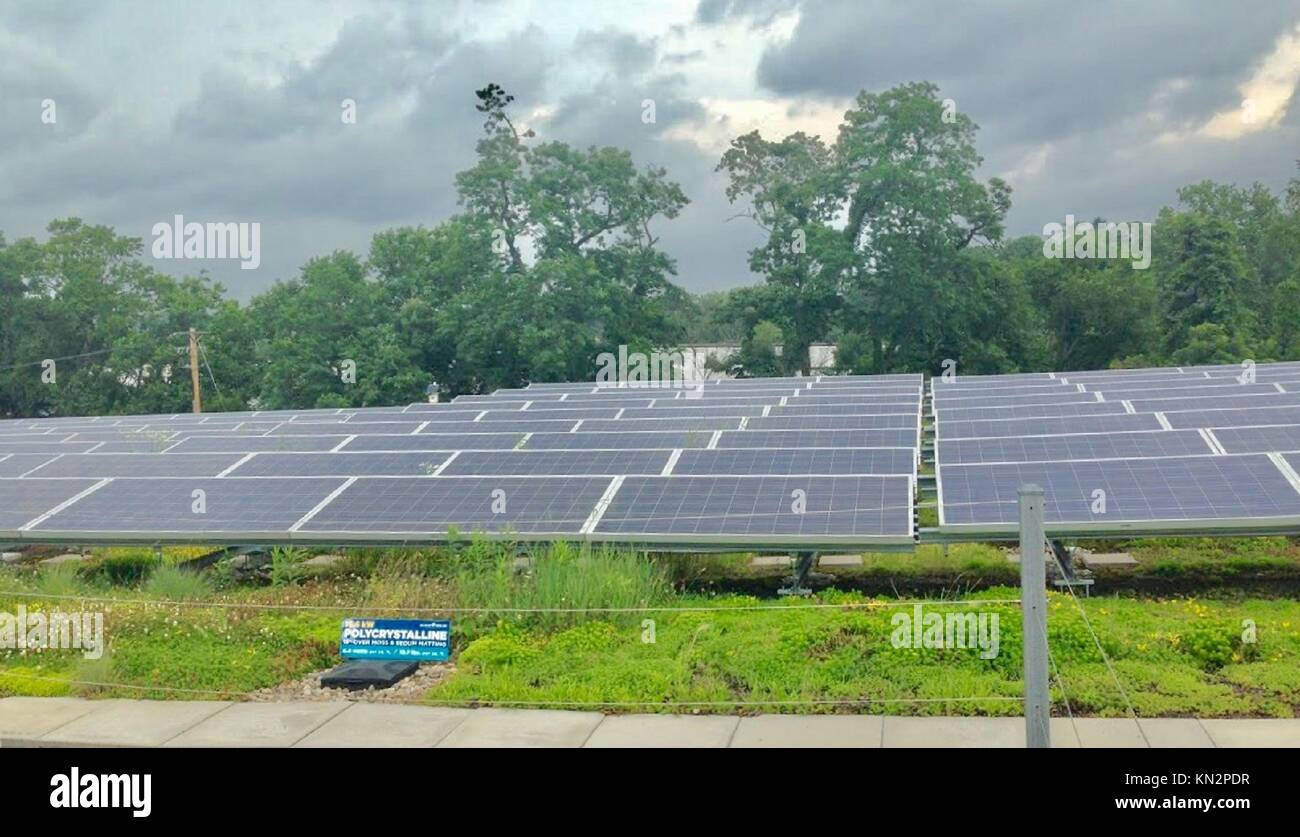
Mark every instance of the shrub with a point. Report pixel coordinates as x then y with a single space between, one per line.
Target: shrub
177 585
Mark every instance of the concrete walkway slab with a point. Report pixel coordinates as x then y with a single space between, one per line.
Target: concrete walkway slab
259 725
1253 732
969 732
386 725
1175 732
1106 732
32 717
664 731
523 728
133 723
839 561
786 731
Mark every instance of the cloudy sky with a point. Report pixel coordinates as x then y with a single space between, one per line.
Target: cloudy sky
230 111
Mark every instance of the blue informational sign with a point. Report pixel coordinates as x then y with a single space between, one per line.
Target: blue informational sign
396 639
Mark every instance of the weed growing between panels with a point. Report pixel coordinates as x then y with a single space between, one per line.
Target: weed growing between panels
629 631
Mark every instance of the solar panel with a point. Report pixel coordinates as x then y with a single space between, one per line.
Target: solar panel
1208 388
1255 439
17 464
1087 408
1068 447
1195 492
1244 417
797 408
1172 405
676 412
341 464
142 446
645 440
676 424
393 507
136 465
560 463
170 507
502 426
1065 396
887 438
46 447
24 501
1044 426
851 510
585 402
834 422
308 428
251 444
570 415
435 442
823 461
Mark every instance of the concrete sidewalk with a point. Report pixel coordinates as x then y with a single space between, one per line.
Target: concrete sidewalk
72 722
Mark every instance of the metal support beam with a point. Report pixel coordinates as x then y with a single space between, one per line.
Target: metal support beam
1033 612
803 564
1069 577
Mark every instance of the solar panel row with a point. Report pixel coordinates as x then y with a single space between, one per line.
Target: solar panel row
776 461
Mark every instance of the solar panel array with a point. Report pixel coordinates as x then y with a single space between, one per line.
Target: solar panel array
1194 449
803 462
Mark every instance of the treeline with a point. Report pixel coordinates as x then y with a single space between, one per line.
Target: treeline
883 242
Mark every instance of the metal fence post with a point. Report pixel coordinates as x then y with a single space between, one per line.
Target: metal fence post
1033 609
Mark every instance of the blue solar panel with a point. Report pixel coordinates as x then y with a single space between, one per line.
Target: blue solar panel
23 501
1256 439
1044 426
887 438
350 464
1068 447
1142 494
645 440
1244 417
559 463
436 441
1088 408
422 506
860 510
856 422
136 465
824 461
163 506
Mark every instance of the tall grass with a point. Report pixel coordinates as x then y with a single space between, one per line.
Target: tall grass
561 579
174 584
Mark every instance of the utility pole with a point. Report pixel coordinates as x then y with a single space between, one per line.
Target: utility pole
194 370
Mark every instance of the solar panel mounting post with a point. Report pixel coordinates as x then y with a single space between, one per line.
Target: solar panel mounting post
1033 614
803 563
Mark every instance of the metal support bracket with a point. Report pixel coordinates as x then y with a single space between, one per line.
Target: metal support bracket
803 564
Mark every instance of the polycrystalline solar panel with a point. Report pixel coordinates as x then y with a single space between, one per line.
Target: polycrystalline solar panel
1208 389
644 440
132 446
887 438
1217 402
23 501
1246 417
559 463
309 428
17 464
594 402
252 444
97 465
414 506
1066 396
684 412
859 509
166 506
1079 446
1255 439
788 461
32 437
436 441
1087 408
570 415
513 426
677 424
968 387
895 420
414 464
46 447
1044 426
1136 494
797 408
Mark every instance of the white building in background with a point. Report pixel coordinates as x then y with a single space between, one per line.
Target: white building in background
821 358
